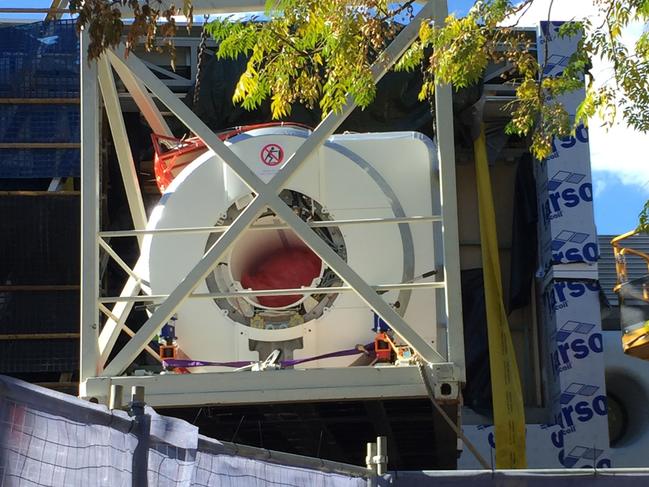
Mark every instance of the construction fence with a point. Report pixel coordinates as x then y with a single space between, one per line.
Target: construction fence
52 439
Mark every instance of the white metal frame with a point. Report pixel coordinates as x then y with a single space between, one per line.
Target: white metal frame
96 377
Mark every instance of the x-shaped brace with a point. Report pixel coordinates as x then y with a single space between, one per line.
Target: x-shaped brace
267 196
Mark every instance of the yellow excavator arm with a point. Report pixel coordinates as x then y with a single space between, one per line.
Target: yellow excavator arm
633 298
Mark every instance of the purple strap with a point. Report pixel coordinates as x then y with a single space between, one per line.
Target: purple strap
342 353
173 362
366 349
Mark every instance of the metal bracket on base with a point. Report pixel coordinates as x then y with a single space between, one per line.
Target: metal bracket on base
443 381
377 458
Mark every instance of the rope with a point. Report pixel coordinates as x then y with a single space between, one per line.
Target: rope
451 423
358 349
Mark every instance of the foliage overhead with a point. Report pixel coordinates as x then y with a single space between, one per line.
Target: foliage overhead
103 21
310 52
316 52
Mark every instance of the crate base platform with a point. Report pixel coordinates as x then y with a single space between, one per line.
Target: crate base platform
278 386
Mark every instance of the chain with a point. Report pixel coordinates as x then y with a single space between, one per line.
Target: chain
199 61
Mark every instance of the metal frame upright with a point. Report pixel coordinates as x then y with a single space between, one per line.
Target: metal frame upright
96 377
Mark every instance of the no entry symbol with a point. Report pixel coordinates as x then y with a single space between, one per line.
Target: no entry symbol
272 154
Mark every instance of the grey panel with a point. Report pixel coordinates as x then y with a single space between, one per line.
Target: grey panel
636 267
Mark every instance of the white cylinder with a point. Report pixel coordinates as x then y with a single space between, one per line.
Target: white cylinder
350 177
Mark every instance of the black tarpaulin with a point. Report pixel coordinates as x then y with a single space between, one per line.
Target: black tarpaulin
524 243
396 106
477 392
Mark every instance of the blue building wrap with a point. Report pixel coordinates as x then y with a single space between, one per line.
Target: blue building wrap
39 61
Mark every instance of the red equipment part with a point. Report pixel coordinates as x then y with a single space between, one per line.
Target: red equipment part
172 154
284 268
383 347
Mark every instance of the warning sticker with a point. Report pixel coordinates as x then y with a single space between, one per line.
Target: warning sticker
272 154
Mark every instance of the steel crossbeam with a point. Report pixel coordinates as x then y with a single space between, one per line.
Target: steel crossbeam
272 226
138 79
448 203
113 327
275 292
90 196
267 195
156 121
122 146
144 101
120 262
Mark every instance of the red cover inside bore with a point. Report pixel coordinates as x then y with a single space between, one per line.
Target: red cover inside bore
283 268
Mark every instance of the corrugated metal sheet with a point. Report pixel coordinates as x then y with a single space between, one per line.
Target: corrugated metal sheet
636 267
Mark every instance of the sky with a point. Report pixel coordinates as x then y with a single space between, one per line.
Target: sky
619 156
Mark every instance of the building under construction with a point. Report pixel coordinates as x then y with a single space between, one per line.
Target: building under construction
305 285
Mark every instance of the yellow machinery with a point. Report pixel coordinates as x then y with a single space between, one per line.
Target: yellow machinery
634 300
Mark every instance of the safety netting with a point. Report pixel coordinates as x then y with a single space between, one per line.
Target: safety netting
39 282
39 88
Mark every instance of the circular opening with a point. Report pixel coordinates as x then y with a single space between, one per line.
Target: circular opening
266 259
274 259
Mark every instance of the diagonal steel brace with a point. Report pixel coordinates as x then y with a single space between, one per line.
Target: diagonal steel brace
267 196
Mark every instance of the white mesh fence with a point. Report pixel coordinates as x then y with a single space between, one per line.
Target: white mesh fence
50 439
40 446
